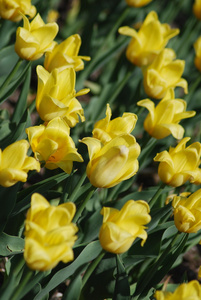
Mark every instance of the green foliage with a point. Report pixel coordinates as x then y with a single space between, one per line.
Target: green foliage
94 274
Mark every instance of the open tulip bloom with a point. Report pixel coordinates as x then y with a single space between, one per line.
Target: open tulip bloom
53 146
49 233
148 42
15 164
106 129
180 164
165 72
65 55
187 212
163 119
13 10
35 38
113 162
121 228
56 96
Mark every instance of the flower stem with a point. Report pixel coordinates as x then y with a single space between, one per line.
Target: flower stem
22 285
92 267
76 190
156 195
83 204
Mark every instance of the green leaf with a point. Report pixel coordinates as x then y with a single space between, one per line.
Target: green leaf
15 83
40 187
74 290
89 253
22 101
10 245
19 132
122 287
7 198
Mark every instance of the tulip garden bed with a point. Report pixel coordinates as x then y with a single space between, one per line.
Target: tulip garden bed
100 126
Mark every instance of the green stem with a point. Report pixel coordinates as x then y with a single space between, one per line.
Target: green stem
83 204
9 77
76 190
92 267
21 285
150 274
156 195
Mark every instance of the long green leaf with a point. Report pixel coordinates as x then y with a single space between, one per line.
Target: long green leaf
89 253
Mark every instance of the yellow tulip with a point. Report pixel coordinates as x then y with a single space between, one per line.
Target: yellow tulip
121 228
165 72
197 47
159 124
185 291
56 96
138 3
15 164
52 15
105 129
187 212
180 164
197 9
13 10
35 38
49 234
148 42
53 146
113 162
65 55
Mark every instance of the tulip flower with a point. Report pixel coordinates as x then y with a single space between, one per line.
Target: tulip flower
165 72
185 291
197 9
148 42
13 10
105 129
53 146
187 212
35 38
180 164
52 15
56 96
197 47
49 234
65 55
121 228
138 3
113 162
159 124
15 164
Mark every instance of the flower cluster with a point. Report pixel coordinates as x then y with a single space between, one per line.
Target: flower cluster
146 50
